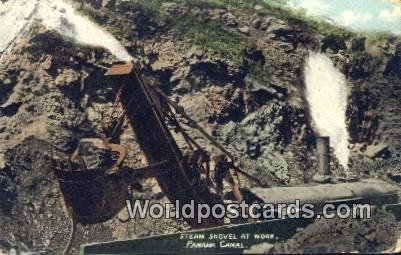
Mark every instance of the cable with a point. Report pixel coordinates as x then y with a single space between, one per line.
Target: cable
180 110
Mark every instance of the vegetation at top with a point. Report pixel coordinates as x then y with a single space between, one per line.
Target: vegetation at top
212 36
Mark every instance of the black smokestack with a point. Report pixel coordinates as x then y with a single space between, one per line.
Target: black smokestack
323 155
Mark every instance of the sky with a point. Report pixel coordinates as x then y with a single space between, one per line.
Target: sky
357 15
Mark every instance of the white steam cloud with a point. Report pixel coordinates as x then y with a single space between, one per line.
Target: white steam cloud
327 93
18 16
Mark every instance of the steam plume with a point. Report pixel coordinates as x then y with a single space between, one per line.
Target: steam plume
17 17
327 93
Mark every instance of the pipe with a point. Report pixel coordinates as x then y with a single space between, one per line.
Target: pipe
323 160
323 155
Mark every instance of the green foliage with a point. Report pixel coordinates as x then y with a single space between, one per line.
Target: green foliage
213 37
149 6
276 8
379 37
243 4
209 36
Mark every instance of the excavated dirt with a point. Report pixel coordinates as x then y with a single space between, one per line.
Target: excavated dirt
53 93
377 234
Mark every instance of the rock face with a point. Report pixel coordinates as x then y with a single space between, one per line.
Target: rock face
53 94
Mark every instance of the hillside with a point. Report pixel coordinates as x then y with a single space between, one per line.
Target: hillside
237 69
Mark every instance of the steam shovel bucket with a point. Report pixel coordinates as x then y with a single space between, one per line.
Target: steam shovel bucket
94 195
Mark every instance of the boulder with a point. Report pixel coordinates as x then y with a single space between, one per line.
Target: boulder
266 23
94 153
229 20
257 23
172 8
281 32
333 43
244 29
10 109
258 7
379 150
